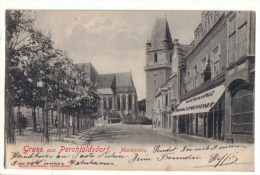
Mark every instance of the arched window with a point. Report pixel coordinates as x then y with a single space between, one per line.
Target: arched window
130 101
110 102
118 102
155 57
124 102
170 58
242 111
105 103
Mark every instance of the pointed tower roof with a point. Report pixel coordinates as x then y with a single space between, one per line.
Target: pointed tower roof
161 32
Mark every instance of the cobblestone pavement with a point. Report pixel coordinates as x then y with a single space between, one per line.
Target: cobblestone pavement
138 134
118 134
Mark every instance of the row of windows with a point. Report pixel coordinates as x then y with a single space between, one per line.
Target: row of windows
193 76
237 38
108 104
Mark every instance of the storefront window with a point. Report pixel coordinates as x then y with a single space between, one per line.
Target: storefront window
200 124
242 112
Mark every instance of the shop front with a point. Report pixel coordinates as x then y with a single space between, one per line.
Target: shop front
202 115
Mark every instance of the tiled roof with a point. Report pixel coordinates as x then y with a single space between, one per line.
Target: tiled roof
124 82
105 81
160 31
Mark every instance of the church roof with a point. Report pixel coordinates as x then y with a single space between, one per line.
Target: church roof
124 82
161 31
105 81
119 82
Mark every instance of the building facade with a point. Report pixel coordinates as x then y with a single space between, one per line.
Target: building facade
167 96
215 80
240 76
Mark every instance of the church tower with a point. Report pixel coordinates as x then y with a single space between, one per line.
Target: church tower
159 53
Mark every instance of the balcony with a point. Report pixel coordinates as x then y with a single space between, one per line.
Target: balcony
205 86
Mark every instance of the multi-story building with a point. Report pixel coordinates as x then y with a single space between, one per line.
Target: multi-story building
201 111
215 81
240 76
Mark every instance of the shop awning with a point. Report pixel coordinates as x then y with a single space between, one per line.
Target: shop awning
200 103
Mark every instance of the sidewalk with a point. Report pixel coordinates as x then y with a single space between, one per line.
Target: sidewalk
190 138
29 136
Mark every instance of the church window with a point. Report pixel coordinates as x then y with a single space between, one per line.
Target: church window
124 102
110 102
130 101
155 82
105 103
155 57
118 103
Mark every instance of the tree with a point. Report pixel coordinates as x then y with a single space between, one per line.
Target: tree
40 76
142 105
23 42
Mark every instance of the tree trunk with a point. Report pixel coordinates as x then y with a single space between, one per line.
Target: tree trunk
59 122
34 119
68 125
73 124
19 120
10 127
45 138
78 122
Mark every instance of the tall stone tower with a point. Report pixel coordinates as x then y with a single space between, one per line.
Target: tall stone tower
159 53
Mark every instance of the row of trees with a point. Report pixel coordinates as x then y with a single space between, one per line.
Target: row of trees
38 75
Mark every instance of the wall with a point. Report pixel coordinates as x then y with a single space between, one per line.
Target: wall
205 50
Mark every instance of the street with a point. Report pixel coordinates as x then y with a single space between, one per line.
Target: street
136 134
118 134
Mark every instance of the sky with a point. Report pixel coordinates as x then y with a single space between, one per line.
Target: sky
114 41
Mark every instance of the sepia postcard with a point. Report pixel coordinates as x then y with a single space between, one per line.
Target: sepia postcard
130 90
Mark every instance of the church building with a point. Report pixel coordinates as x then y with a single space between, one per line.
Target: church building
117 91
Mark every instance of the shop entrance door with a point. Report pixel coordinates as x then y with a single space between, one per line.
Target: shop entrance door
210 124
182 124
